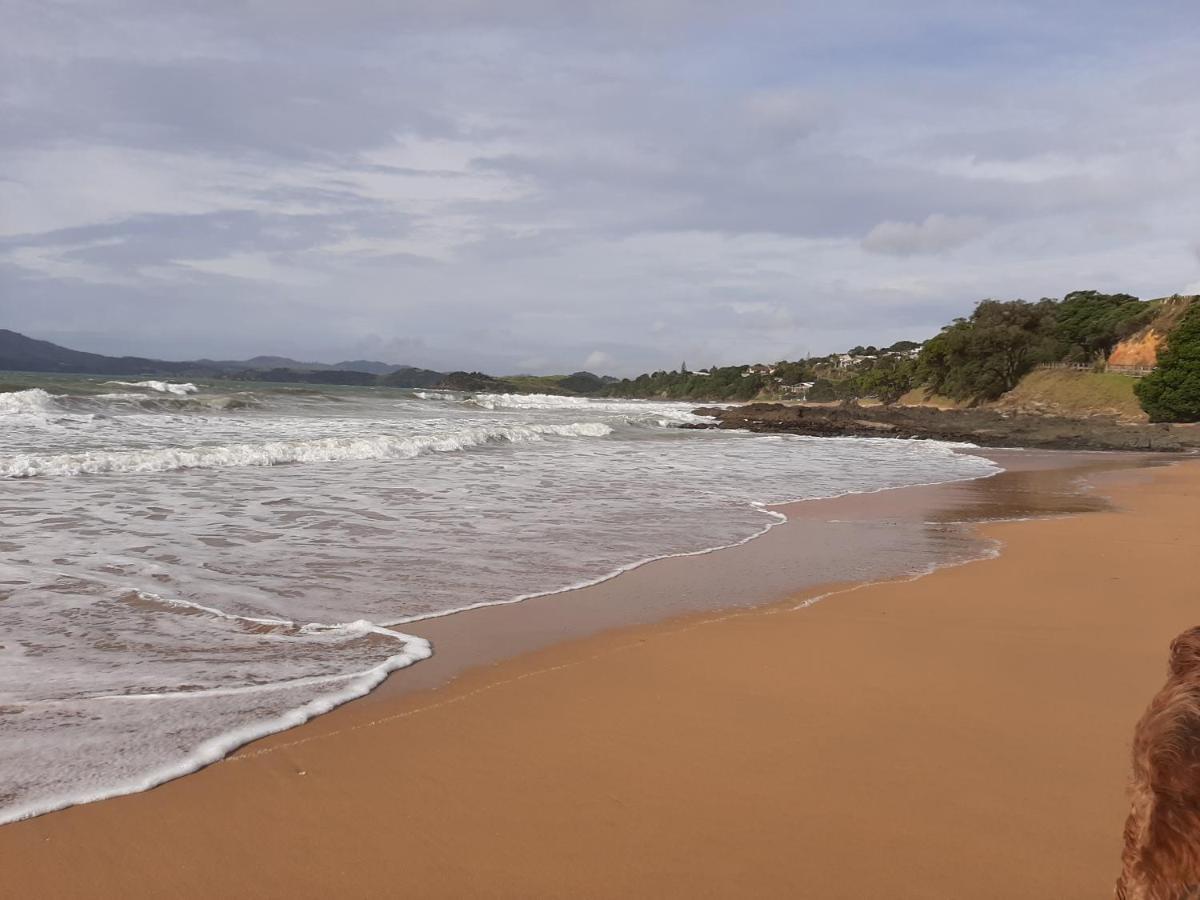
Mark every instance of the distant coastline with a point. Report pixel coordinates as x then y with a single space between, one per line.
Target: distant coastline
1106 354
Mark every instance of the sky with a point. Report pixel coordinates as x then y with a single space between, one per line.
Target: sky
613 185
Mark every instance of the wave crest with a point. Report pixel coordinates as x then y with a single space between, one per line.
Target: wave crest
273 453
32 402
635 412
163 387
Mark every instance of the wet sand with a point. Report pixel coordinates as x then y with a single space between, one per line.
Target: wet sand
963 734
835 541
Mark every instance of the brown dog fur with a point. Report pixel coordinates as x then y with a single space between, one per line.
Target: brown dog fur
1162 834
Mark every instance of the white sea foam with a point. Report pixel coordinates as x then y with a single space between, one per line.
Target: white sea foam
184 710
274 453
163 387
634 411
150 623
436 395
33 402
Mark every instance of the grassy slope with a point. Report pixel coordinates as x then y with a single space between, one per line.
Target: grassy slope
920 396
1070 393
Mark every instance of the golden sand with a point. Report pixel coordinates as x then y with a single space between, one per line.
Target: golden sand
963 735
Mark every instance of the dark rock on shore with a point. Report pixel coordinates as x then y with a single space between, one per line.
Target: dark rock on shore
984 427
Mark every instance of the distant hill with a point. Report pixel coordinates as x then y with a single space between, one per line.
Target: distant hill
578 383
306 376
367 365
371 366
476 382
19 353
411 377
275 362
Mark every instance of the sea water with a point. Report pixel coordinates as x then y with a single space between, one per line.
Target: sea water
185 567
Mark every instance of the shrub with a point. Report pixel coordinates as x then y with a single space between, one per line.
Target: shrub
1171 393
822 391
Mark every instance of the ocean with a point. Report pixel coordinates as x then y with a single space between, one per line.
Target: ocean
187 567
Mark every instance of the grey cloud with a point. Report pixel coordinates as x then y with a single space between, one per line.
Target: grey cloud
935 234
486 184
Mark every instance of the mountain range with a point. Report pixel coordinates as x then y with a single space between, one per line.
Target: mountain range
20 353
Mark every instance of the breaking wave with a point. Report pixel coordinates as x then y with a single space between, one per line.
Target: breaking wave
205 738
40 407
274 453
635 411
34 402
163 387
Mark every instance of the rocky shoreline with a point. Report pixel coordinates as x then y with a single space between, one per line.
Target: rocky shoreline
984 427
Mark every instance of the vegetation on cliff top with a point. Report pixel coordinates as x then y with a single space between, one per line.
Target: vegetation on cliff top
1076 394
974 359
727 383
986 354
1171 393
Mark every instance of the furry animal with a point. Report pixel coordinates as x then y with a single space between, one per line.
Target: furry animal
1161 860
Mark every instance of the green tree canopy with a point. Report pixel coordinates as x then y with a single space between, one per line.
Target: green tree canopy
886 379
792 372
822 391
728 383
1091 324
983 356
1171 393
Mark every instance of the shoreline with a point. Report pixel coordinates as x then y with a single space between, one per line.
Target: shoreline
478 668
418 647
890 522
983 427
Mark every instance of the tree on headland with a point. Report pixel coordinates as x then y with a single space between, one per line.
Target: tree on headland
1171 393
822 391
886 379
1090 324
792 372
983 356
725 383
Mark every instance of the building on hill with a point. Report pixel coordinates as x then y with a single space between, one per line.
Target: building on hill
799 391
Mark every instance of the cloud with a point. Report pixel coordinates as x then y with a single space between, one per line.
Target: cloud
670 179
937 233
790 114
598 359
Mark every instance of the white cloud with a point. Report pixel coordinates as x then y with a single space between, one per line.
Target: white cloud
253 267
58 261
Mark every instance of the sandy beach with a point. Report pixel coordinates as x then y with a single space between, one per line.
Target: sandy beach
961 734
